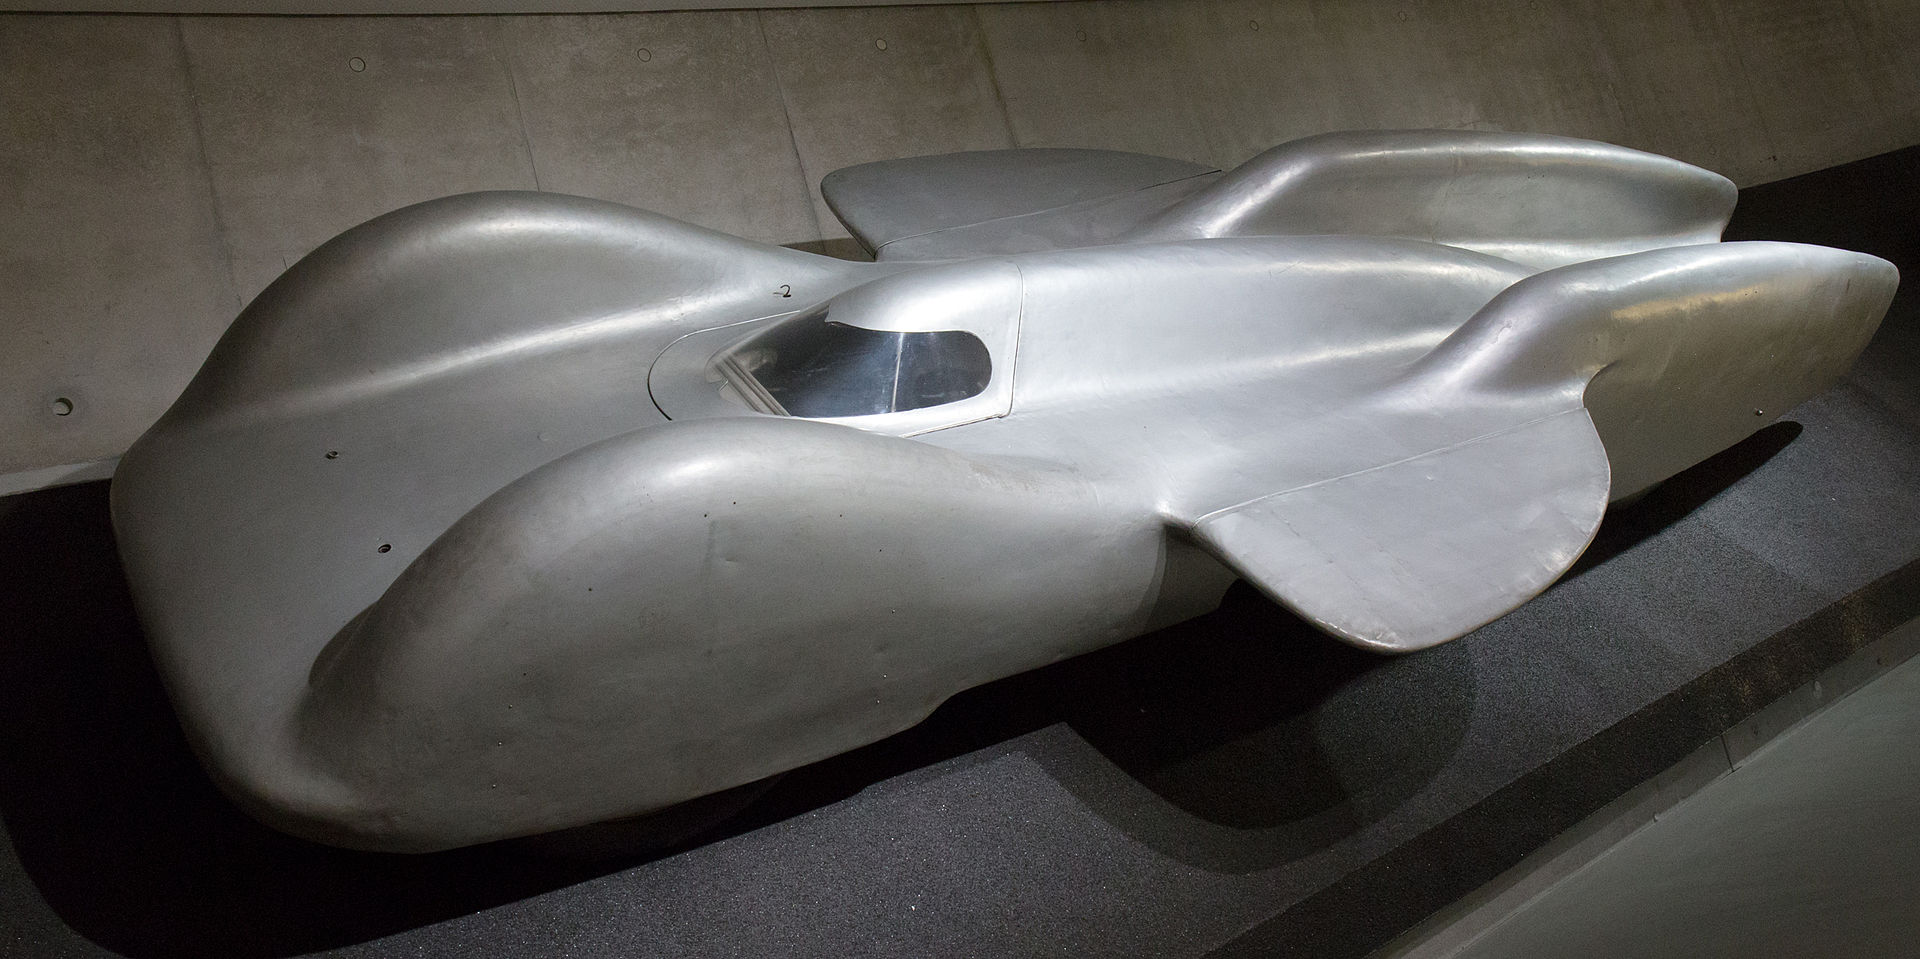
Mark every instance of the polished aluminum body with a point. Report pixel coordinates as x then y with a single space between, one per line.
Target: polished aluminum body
512 512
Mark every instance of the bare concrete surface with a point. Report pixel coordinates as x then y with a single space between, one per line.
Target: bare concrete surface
882 82
159 171
412 7
314 125
1868 96
1122 77
679 114
1670 68
113 269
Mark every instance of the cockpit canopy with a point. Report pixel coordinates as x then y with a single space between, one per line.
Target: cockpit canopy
813 366
903 354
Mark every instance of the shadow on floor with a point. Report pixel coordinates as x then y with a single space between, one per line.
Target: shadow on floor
1671 501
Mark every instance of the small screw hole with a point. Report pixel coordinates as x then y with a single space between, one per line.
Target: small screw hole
385 548
62 406
333 454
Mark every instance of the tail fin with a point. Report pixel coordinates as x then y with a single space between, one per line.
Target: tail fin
1542 201
1679 353
1573 386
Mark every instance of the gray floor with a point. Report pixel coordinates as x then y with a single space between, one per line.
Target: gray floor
1811 847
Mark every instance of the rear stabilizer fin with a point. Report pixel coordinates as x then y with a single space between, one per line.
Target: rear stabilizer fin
1677 354
1539 200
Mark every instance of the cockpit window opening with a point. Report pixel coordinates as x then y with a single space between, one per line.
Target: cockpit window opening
811 366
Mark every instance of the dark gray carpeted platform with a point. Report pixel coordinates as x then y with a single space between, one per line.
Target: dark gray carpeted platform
1237 783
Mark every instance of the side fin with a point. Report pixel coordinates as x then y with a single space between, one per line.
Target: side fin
892 200
1416 552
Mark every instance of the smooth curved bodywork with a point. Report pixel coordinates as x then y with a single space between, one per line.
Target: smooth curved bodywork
508 513
1542 201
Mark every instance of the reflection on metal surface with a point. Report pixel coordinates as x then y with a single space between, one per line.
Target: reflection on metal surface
507 513
1538 200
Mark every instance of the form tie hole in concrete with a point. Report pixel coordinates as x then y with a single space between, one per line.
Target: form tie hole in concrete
357 65
333 454
644 54
879 44
385 548
61 406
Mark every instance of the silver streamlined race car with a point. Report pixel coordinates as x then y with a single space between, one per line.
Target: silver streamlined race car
512 512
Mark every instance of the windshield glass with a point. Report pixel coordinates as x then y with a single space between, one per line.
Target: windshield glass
813 367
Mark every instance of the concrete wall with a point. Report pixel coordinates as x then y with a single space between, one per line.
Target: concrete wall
156 172
404 7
